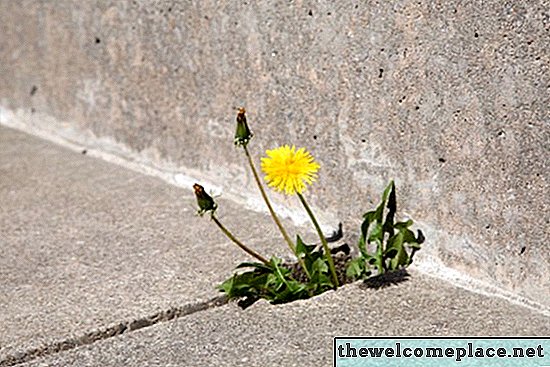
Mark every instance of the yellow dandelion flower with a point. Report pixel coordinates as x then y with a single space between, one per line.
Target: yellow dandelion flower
288 169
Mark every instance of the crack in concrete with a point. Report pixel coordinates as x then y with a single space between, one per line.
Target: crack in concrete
112 331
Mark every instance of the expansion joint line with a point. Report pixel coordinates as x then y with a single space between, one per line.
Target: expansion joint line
111 331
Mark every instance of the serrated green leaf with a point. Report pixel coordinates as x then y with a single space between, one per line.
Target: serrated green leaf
319 266
392 250
408 236
355 268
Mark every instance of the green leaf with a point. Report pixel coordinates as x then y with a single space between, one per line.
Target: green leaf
376 233
240 285
414 245
273 282
379 258
403 225
400 258
362 247
227 285
368 218
308 253
356 268
280 273
379 213
408 236
302 249
387 191
319 266
394 250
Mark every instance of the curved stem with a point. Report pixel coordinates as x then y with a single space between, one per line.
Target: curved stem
328 256
239 243
272 212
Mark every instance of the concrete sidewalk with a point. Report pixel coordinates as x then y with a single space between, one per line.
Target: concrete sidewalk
84 244
89 247
301 333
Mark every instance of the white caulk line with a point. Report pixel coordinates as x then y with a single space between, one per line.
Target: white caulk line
123 156
433 267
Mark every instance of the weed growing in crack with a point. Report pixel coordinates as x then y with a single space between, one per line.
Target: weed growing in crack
394 243
384 245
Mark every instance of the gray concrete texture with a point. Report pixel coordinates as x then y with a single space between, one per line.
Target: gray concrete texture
449 98
301 333
85 244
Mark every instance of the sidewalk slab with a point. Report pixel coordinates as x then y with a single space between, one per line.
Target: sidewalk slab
300 333
86 244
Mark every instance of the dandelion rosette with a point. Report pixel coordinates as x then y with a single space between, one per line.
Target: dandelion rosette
289 169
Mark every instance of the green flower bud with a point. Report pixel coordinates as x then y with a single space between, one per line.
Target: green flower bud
205 201
243 133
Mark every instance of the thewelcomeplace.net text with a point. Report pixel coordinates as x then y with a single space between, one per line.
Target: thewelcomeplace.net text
346 350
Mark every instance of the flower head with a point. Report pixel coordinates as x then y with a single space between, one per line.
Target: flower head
243 133
289 170
204 201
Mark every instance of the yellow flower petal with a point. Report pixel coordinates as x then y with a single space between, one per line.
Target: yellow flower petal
289 170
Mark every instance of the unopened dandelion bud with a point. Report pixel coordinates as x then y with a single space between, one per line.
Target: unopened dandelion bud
243 133
205 201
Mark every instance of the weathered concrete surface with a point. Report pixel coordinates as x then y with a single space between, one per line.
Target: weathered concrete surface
300 333
85 244
448 98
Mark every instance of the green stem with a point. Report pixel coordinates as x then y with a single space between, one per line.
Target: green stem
281 276
239 243
323 240
272 212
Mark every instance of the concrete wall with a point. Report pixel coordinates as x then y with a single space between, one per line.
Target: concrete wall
450 98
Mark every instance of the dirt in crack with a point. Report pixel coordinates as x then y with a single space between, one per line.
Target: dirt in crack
112 331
